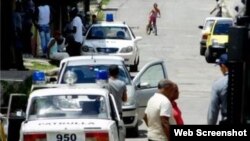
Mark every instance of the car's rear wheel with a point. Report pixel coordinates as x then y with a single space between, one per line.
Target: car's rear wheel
209 57
202 50
134 68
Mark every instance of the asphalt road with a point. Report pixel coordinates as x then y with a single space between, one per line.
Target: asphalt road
178 44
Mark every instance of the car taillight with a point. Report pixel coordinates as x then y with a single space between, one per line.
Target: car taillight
204 36
97 136
35 137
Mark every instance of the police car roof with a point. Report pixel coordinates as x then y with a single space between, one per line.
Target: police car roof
70 90
105 23
102 59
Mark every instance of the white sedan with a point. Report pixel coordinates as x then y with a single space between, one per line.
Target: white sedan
113 38
72 113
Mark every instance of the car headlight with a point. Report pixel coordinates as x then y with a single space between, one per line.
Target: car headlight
88 49
127 49
215 42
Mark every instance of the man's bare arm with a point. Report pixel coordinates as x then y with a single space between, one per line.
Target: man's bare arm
165 126
124 96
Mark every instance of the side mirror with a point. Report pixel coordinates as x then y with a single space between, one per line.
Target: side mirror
20 113
143 85
138 38
200 27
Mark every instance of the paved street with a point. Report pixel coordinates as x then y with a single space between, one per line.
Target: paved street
178 44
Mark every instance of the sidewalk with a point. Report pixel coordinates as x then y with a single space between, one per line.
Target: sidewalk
30 62
116 3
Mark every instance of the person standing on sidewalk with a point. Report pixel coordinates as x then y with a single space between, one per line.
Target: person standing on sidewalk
117 87
43 20
29 9
75 40
158 114
219 94
17 36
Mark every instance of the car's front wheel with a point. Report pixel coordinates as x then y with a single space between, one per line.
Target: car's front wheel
134 68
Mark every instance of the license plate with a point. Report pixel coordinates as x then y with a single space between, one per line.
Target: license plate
66 137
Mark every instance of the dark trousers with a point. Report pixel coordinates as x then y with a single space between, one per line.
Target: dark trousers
74 49
27 38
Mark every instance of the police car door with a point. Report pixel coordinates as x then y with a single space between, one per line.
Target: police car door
146 82
116 116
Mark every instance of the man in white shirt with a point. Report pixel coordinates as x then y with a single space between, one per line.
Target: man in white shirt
158 114
77 28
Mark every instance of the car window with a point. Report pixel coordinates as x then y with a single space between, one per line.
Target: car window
152 75
87 73
109 32
222 27
208 25
68 106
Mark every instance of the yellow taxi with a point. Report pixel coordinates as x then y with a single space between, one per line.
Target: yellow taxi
217 38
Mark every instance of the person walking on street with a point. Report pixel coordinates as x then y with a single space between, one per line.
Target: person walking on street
158 114
117 87
218 101
218 7
43 20
154 13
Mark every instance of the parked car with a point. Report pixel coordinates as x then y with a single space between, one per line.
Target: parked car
205 31
72 113
217 38
139 90
113 38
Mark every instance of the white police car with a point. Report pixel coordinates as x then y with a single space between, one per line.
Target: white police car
72 113
113 38
139 90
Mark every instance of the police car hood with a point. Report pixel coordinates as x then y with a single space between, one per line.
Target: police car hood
108 43
66 124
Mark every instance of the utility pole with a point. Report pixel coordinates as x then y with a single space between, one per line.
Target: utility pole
239 70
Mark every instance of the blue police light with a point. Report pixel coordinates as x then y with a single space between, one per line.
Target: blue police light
38 77
102 78
102 75
109 17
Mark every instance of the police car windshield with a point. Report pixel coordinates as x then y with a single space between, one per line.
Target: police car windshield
109 32
68 107
222 27
87 73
